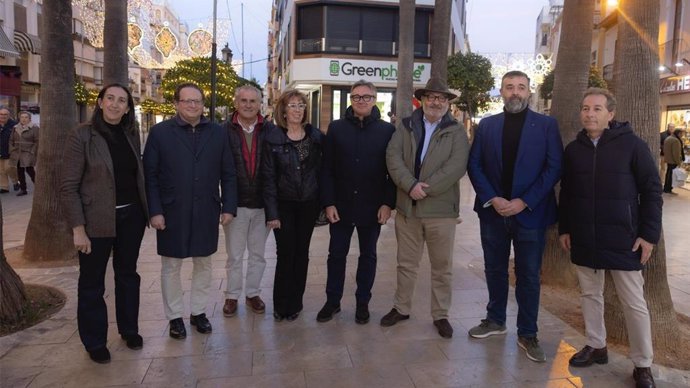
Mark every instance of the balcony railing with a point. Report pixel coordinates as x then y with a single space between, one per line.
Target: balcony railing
353 46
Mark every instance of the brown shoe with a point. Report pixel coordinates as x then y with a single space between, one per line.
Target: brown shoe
444 328
643 378
588 356
256 304
230 307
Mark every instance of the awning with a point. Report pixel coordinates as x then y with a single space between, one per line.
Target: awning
6 48
26 42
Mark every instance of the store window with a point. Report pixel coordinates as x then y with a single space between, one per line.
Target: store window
385 102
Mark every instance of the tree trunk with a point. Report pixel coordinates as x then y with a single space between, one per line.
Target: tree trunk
440 35
48 236
637 91
115 43
12 295
403 94
570 81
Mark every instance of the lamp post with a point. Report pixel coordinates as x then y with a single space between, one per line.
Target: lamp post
214 66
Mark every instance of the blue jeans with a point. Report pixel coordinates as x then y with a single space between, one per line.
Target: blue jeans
339 247
497 234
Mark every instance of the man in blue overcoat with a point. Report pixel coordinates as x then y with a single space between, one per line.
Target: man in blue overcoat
514 163
186 160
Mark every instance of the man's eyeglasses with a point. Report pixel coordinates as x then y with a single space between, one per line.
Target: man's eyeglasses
439 98
365 98
297 106
191 101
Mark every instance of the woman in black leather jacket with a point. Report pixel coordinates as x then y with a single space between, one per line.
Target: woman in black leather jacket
290 167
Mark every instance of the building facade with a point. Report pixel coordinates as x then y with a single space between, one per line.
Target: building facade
674 51
323 47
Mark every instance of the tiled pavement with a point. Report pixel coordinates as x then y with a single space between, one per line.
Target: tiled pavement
252 350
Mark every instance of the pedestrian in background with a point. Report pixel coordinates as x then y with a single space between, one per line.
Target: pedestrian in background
290 167
8 171
356 193
426 158
104 202
248 231
24 150
610 219
673 156
514 165
186 160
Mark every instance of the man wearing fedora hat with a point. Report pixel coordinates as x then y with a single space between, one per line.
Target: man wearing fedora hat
514 164
426 158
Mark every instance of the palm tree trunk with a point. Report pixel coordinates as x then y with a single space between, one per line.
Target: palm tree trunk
637 91
440 33
570 81
403 94
12 294
115 43
48 236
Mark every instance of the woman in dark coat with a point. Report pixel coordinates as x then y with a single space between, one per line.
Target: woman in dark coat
103 195
290 168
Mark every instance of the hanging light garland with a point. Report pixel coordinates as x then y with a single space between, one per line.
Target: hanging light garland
146 28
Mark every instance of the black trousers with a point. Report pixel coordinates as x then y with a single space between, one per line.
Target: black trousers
339 247
92 314
669 177
21 175
292 249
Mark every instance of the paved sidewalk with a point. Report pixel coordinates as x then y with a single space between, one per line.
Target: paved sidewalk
251 350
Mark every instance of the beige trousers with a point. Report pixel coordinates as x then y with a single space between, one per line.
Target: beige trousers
439 236
171 285
629 287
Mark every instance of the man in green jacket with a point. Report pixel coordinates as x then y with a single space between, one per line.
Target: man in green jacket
426 157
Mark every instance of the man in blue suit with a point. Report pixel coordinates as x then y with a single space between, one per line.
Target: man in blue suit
514 163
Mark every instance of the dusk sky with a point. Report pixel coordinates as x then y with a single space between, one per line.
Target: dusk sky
492 26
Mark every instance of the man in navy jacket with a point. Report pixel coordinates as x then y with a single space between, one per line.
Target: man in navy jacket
610 219
186 159
356 192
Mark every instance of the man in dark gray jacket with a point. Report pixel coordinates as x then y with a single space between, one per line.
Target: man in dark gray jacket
610 219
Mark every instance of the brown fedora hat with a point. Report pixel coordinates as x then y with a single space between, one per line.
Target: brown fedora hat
435 85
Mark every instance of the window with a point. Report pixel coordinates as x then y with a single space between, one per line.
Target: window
544 39
378 31
310 30
357 30
20 17
342 29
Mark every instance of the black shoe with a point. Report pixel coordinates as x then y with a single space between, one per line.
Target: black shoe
327 312
392 318
444 328
100 355
292 317
16 186
3 191
134 341
643 378
21 193
278 317
202 324
588 356
177 329
362 313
